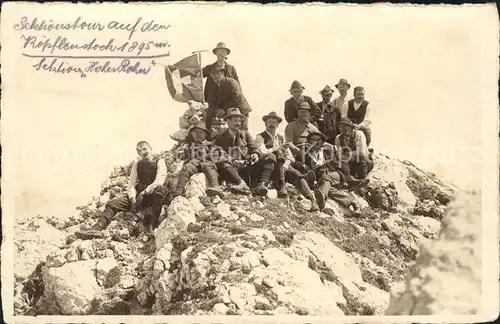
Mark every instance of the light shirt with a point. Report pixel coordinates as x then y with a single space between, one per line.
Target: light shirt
366 121
274 137
296 132
317 158
341 105
161 175
359 139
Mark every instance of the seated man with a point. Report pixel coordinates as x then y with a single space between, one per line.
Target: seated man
145 188
358 112
292 104
228 95
321 157
296 132
199 156
245 159
352 143
273 143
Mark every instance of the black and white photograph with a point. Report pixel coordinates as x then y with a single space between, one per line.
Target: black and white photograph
218 162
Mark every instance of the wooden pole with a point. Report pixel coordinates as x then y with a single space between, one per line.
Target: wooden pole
201 74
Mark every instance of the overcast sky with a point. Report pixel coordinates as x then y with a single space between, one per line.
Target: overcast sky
429 74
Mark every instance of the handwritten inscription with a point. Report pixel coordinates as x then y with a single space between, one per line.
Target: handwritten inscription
49 43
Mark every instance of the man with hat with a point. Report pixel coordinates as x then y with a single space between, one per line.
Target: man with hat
322 158
358 112
200 155
352 143
272 143
292 104
246 161
330 117
340 103
296 131
221 51
229 95
145 188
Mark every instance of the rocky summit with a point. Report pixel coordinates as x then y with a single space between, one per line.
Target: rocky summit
245 255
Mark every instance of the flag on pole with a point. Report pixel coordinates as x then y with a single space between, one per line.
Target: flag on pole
184 79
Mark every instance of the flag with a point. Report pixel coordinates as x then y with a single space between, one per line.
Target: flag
184 79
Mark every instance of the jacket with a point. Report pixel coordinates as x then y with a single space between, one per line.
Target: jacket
240 147
211 86
291 107
229 95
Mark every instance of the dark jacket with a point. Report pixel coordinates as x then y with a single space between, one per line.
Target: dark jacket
240 147
211 86
229 95
203 152
331 117
291 107
331 156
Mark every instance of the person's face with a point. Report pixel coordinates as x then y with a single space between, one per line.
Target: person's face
316 141
221 54
304 114
235 122
359 94
327 97
343 88
271 124
199 135
345 129
144 151
296 93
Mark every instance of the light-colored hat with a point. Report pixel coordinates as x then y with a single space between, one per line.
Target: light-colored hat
304 105
296 86
232 112
327 90
342 81
274 115
221 45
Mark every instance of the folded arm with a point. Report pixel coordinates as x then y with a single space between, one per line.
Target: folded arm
161 175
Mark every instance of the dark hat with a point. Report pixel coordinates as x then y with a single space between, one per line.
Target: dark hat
274 115
327 90
346 121
304 105
323 137
231 112
296 86
199 125
221 45
342 81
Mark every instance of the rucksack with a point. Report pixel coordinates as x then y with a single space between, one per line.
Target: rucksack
382 196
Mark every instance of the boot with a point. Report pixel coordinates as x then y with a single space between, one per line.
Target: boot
182 180
306 192
282 192
241 188
354 183
356 209
261 189
213 182
101 224
321 194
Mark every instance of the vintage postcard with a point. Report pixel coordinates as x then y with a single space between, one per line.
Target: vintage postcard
245 163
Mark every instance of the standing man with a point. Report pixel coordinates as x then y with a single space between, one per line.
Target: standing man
221 51
358 112
246 161
292 104
340 103
145 188
330 117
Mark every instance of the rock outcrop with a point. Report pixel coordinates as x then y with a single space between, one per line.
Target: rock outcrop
235 255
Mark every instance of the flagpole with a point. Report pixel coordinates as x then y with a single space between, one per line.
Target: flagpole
201 74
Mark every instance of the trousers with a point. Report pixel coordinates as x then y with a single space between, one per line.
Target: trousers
251 174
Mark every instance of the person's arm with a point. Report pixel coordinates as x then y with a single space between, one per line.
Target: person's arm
131 191
315 110
259 140
206 71
361 142
253 147
337 141
288 112
367 120
161 175
235 75
288 158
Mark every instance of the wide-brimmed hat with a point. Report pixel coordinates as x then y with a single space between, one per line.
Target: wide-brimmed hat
323 136
327 90
304 105
199 125
274 115
232 112
221 45
343 81
296 86
346 121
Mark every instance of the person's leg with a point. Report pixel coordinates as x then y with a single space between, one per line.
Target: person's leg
155 199
230 174
368 134
321 193
261 171
189 169
210 171
113 206
305 190
359 164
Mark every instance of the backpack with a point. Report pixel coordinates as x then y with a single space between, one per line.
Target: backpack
382 196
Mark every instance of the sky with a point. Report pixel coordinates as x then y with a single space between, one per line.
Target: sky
429 74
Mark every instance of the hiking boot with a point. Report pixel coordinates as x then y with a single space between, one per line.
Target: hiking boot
261 189
101 224
215 191
357 183
320 198
282 192
314 206
310 177
241 188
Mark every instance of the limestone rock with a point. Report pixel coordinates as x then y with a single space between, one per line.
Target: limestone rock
447 277
180 215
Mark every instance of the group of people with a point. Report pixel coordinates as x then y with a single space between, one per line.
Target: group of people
324 151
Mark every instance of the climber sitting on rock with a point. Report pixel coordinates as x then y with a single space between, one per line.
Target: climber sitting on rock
200 155
246 162
323 159
145 188
274 143
352 143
